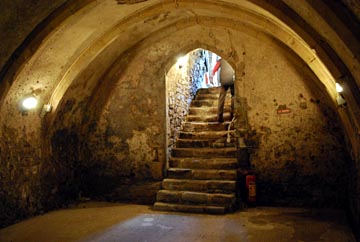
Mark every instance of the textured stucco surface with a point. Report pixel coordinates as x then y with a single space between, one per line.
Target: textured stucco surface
103 71
298 156
18 19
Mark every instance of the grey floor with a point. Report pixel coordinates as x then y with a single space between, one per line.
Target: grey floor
108 222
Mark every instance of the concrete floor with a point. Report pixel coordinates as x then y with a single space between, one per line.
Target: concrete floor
108 222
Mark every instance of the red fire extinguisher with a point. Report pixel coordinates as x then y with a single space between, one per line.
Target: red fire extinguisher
251 188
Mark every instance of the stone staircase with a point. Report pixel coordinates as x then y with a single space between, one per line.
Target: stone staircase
202 176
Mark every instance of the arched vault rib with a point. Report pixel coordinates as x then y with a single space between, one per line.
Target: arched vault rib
160 15
205 14
189 25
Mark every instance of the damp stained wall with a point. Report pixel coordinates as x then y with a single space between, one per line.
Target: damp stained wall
102 155
298 156
296 141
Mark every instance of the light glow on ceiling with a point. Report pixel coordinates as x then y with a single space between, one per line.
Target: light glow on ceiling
29 103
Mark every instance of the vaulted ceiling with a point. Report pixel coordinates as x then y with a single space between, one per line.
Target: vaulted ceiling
63 44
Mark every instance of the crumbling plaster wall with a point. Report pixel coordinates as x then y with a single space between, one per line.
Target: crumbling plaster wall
124 156
18 19
120 128
127 146
299 156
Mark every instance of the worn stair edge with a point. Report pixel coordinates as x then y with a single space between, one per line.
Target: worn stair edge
208 186
206 163
211 96
207 110
202 174
201 126
206 143
208 90
206 134
207 118
204 152
199 198
189 208
208 103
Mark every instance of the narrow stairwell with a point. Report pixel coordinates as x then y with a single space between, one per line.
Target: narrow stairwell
202 176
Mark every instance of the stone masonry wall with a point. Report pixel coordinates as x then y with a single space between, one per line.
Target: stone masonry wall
299 157
182 85
124 153
296 140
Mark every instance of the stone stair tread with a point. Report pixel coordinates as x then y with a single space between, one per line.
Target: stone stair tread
205 152
208 186
200 126
189 208
228 195
199 198
208 149
206 134
180 169
204 139
210 96
199 140
206 143
207 110
198 181
220 159
209 90
208 103
215 163
202 174
199 122
207 118
204 123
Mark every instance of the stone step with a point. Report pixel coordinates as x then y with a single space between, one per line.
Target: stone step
207 110
209 103
205 143
189 208
206 134
208 90
204 152
205 126
199 198
208 186
198 163
207 118
201 174
206 96
202 177
211 96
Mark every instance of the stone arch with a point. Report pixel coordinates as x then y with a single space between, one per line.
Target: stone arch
120 41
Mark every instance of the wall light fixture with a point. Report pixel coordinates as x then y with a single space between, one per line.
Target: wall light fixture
182 61
29 103
339 98
338 88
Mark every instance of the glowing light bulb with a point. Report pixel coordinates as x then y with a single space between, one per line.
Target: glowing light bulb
182 61
338 87
29 103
